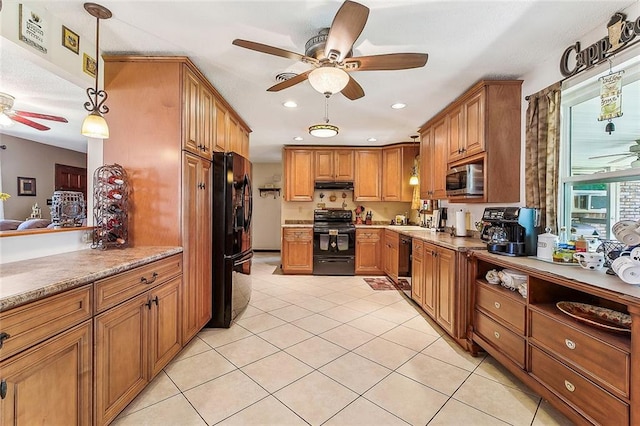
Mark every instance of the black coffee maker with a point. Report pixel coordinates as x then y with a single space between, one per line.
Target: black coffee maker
511 231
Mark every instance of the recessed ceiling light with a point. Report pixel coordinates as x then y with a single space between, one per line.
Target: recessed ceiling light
398 105
290 104
372 140
298 138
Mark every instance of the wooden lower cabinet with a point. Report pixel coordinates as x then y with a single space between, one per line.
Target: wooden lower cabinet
391 254
50 384
369 244
434 284
585 372
297 250
133 342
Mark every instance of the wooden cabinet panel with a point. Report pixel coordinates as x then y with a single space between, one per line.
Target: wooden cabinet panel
440 147
597 404
474 126
430 279
501 337
297 250
34 322
368 251
391 254
445 312
207 125
392 174
457 133
51 382
165 336
368 167
221 142
426 164
234 137
191 114
197 253
121 356
417 272
323 165
244 144
344 165
299 172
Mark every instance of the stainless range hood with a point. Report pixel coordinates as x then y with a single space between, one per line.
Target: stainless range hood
340 185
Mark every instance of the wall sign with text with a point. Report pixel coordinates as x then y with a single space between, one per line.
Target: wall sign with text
620 35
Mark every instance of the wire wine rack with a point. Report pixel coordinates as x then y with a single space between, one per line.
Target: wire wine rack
111 199
611 250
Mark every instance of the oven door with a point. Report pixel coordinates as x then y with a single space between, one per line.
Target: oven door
334 242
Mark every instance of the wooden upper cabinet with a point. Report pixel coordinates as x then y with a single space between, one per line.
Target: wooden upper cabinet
368 168
191 114
244 142
426 164
457 144
397 164
439 157
207 119
298 166
234 138
333 165
474 124
221 138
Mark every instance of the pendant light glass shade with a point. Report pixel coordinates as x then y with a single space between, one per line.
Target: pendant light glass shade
413 180
95 126
324 130
328 80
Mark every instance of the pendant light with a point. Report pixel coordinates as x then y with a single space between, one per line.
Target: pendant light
414 179
94 125
324 130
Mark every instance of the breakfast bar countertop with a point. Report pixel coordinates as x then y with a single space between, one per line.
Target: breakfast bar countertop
28 280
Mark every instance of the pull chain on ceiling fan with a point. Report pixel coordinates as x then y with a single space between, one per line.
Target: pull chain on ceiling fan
330 51
8 116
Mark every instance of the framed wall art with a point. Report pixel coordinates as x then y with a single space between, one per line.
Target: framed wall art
70 40
26 186
89 65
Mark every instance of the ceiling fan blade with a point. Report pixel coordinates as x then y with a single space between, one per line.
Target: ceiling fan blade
276 51
391 61
26 121
345 29
617 160
610 155
353 90
42 116
290 82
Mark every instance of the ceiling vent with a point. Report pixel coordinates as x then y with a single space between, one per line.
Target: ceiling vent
284 76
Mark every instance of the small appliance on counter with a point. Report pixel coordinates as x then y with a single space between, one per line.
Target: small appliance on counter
511 231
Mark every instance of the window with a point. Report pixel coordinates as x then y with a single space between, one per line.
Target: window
600 172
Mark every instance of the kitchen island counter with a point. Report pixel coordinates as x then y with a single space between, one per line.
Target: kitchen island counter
29 280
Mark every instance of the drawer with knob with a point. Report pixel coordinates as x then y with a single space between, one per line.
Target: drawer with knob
597 404
26 325
603 362
501 337
114 290
502 304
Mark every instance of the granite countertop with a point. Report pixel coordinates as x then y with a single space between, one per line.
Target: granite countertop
298 225
28 280
443 239
571 272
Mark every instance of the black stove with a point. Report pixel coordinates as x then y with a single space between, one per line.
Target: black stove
334 236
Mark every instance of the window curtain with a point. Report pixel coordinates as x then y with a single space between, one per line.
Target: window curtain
542 150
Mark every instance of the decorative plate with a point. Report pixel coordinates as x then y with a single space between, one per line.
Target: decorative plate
594 315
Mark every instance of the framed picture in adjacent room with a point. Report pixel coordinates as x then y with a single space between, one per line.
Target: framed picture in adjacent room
26 186
89 65
70 40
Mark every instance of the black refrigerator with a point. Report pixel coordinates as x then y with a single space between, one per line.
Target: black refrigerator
232 252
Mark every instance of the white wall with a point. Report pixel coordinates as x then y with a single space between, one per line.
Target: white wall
266 211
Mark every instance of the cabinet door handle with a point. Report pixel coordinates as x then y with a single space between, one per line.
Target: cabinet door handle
148 304
3 336
497 305
570 387
154 277
495 333
155 300
570 344
3 389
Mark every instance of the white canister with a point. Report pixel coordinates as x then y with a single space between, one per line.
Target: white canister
546 245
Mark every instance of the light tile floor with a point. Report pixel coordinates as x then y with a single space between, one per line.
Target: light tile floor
329 350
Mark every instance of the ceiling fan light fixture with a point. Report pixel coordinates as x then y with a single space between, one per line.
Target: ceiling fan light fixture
328 79
95 126
324 130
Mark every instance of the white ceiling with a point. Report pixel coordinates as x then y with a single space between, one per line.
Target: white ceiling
466 41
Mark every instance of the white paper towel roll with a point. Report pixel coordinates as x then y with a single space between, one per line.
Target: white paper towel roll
461 228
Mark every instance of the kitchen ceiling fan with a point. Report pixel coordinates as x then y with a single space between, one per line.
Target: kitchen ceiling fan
634 151
330 54
8 115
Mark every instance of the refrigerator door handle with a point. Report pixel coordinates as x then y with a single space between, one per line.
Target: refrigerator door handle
249 211
245 259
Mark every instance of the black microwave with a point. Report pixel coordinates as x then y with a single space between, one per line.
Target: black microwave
467 180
